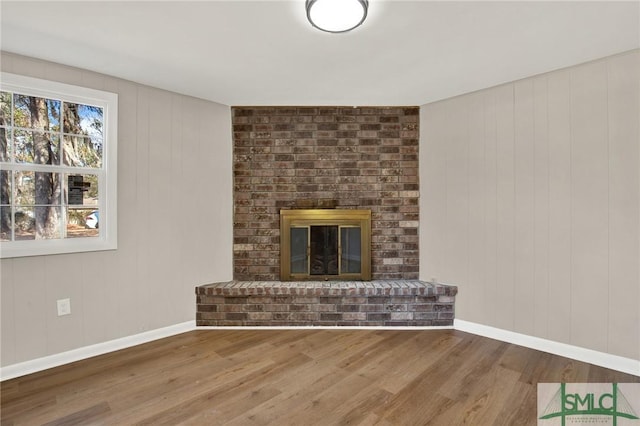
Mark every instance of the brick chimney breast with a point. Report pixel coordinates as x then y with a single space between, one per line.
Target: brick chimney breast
326 157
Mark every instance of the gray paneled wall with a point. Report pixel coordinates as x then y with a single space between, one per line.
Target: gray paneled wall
175 226
531 204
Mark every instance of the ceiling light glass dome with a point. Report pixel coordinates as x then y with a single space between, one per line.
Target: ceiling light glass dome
336 16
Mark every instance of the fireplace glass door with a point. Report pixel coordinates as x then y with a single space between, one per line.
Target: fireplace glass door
325 248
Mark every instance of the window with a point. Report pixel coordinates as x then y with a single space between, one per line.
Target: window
58 151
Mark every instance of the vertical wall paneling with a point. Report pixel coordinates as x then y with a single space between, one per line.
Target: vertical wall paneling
457 202
142 204
624 256
107 298
160 175
7 314
91 79
541 208
207 233
30 68
95 297
125 277
555 251
94 282
559 128
203 204
174 197
215 131
590 213
524 156
505 207
190 145
490 206
30 308
476 208
433 185
68 75
62 331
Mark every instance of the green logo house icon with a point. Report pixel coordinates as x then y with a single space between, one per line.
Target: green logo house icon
587 401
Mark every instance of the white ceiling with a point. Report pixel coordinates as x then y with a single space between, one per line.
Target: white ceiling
266 53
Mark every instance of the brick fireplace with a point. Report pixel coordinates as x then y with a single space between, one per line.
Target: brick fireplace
301 158
325 157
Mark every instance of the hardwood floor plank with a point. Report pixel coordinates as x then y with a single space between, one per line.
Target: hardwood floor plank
427 381
462 382
484 401
233 399
356 411
297 389
421 350
87 416
519 408
293 377
23 406
320 407
183 385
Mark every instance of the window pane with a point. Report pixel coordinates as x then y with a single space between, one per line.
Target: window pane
5 120
23 145
5 108
5 223
351 258
48 222
48 188
5 187
25 188
37 188
5 144
25 223
82 223
38 222
36 147
299 261
82 151
83 145
82 190
33 112
82 119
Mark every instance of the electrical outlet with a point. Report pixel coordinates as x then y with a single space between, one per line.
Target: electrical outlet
64 307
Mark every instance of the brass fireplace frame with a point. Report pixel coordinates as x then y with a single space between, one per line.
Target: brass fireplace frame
325 217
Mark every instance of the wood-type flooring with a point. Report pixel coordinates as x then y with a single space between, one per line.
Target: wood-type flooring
298 377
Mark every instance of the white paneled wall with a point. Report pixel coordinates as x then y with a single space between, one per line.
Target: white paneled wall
530 203
174 217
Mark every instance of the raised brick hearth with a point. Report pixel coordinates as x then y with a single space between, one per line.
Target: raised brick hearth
322 303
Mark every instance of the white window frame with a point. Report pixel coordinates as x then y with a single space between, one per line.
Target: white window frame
107 188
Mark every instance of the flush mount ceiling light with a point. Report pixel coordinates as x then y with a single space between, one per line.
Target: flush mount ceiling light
336 16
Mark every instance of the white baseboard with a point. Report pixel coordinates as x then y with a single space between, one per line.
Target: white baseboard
613 362
39 364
